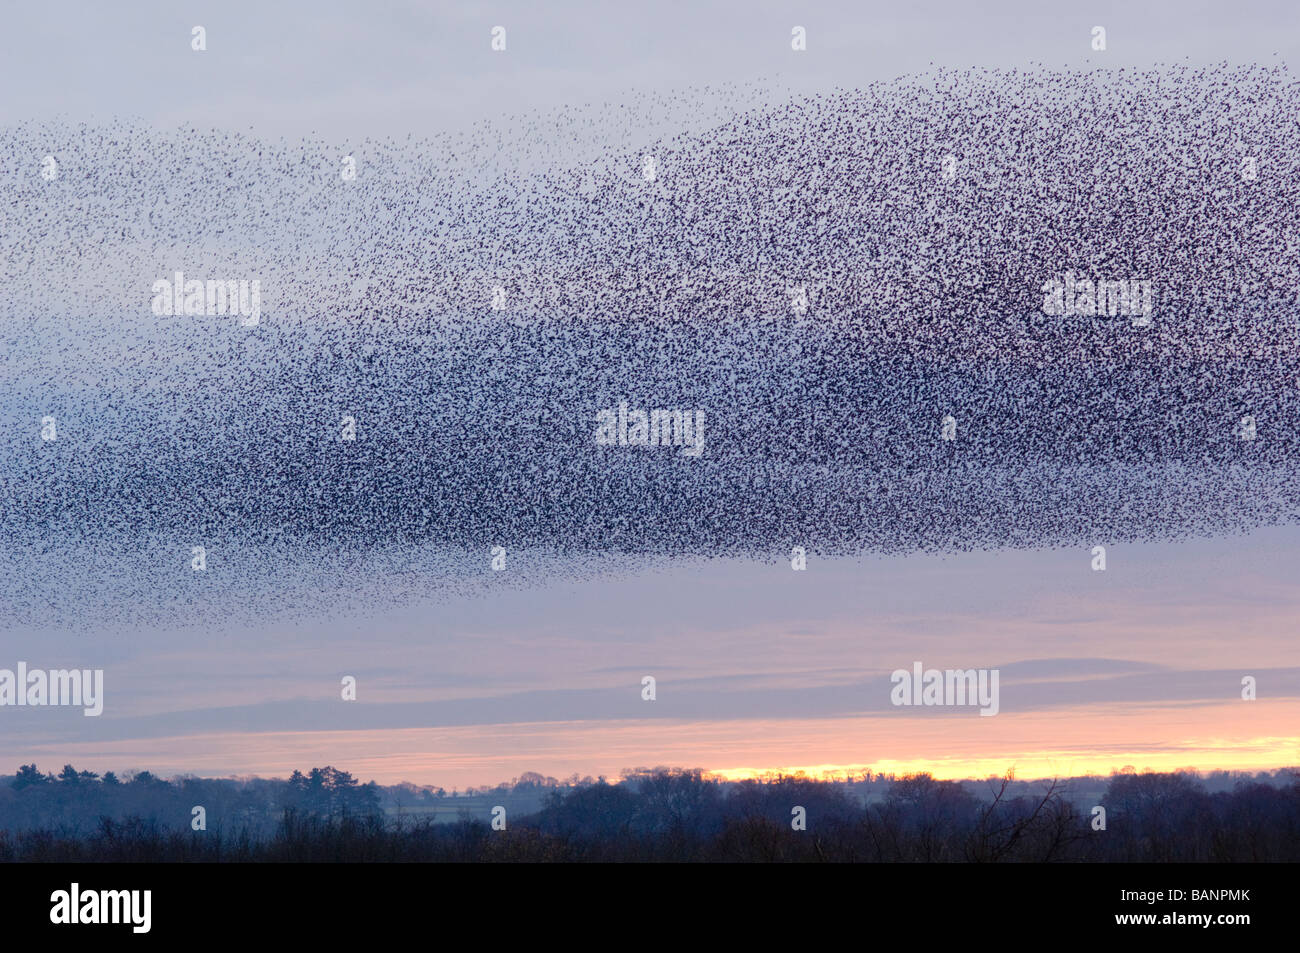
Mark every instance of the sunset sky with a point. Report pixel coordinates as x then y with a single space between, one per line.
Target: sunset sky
757 667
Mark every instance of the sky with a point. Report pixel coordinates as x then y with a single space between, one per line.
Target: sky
757 667
343 70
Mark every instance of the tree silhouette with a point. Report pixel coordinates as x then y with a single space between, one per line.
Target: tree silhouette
28 775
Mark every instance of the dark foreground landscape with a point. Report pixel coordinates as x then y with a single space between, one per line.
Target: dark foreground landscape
652 815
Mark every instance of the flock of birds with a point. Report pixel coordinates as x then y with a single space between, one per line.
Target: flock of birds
849 287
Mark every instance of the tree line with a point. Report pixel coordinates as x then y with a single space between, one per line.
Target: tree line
657 815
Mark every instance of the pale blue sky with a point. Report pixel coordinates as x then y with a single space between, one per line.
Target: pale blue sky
1167 625
350 69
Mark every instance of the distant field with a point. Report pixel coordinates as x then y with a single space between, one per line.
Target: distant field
478 808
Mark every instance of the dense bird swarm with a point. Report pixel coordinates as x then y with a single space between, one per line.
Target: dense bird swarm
825 280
